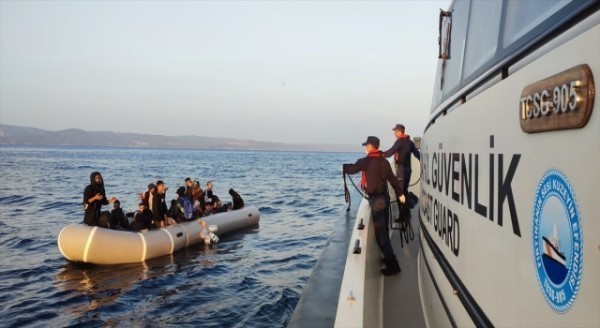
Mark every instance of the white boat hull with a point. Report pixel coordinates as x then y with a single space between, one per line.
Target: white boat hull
484 247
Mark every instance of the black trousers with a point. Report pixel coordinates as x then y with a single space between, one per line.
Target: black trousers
403 174
380 213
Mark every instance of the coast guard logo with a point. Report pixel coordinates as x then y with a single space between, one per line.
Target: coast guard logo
557 241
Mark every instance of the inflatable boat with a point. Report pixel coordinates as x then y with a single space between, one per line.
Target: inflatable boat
82 243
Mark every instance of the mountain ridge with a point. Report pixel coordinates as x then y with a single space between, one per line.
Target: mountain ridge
20 135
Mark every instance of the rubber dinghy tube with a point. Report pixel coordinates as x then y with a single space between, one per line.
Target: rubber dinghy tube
82 243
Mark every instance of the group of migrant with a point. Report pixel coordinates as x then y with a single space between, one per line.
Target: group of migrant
190 203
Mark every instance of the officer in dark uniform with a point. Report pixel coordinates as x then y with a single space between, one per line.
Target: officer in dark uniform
401 151
376 172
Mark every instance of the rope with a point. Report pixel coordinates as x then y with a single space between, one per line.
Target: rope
347 196
347 192
404 227
406 231
414 184
419 179
355 187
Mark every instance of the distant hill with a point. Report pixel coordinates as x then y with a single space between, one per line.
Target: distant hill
17 135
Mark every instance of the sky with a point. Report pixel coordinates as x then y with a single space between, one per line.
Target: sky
327 72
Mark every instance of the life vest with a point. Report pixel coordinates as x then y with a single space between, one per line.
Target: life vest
373 153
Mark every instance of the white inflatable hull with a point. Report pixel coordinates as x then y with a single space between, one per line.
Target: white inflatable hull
82 243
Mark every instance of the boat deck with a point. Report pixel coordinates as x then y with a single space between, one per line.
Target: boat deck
401 298
398 298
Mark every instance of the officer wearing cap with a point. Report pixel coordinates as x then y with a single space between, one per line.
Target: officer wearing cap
376 172
401 151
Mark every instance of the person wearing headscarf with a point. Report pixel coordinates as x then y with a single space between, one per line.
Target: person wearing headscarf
94 196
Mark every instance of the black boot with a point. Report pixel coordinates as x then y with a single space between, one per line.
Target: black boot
391 268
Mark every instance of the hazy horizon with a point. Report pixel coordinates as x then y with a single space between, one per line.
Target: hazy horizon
357 147
290 72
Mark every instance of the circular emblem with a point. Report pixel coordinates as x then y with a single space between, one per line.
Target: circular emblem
557 241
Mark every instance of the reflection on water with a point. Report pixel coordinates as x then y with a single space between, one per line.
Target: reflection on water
103 284
99 284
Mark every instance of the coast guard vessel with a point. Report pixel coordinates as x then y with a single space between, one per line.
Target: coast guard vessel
511 167
508 219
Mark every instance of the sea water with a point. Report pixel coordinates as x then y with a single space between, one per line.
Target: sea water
253 278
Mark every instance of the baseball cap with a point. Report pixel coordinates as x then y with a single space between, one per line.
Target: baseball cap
373 141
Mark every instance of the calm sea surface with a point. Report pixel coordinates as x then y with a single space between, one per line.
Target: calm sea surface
253 278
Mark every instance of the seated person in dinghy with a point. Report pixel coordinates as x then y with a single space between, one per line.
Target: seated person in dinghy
185 206
118 220
208 210
238 202
174 213
142 219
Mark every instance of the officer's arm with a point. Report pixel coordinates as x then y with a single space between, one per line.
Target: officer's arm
415 151
392 150
356 167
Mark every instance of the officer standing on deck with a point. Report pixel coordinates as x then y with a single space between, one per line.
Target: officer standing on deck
376 172
401 150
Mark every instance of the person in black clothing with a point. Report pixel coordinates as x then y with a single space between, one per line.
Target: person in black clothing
208 193
401 151
175 212
376 172
142 219
94 196
216 204
238 202
159 207
118 220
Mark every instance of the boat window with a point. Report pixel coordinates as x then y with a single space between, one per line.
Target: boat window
485 33
453 67
525 15
444 42
482 37
445 26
